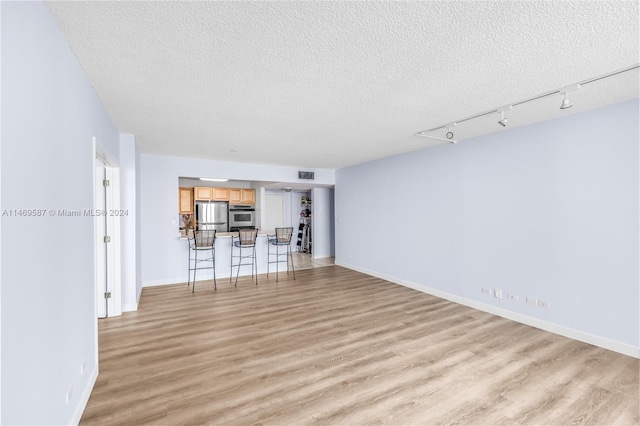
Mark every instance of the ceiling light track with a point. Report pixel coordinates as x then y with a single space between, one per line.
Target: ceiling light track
565 103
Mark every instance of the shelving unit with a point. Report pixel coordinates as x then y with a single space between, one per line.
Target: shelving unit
304 228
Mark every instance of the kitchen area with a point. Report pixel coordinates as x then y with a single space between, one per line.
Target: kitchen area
164 254
228 206
223 209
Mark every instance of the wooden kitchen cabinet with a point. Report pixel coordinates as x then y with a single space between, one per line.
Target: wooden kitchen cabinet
235 196
248 196
242 196
232 195
185 200
220 194
203 193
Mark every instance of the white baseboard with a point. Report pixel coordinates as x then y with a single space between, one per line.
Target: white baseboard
84 397
207 277
571 333
128 307
321 256
139 294
182 280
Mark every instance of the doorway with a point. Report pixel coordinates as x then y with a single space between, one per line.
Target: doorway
101 260
106 213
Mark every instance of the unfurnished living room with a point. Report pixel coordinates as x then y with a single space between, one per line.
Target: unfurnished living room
320 212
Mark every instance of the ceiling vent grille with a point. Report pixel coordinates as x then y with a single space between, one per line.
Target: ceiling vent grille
306 175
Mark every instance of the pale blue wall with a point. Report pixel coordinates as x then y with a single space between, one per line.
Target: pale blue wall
129 178
50 114
322 222
548 211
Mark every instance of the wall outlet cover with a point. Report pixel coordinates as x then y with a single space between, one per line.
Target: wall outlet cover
532 301
544 304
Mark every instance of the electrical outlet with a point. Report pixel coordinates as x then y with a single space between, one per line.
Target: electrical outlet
512 296
544 304
486 291
69 395
82 366
497 293
532 301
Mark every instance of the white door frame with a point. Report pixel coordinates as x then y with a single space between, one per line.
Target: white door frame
99 226
113 250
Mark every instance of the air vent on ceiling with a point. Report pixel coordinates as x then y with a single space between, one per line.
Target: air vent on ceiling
306 175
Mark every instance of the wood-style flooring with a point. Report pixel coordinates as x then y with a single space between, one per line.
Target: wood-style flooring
305 261
342 348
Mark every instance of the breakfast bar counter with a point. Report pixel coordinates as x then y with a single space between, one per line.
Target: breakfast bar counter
223 260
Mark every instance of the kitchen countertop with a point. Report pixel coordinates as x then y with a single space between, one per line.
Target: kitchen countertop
230 234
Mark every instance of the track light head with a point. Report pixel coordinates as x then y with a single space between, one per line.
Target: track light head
449 133
566 103
502 121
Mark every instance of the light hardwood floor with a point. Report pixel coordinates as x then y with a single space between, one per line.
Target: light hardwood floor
305 261
339 347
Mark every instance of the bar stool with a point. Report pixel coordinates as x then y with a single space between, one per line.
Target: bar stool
280 239
202 243
245 241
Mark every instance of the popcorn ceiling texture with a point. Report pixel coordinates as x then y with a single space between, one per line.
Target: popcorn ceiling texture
330 84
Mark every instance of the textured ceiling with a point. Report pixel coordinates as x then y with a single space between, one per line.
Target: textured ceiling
330 84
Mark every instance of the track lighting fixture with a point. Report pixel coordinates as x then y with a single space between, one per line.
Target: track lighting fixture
450 133
566 103
502 121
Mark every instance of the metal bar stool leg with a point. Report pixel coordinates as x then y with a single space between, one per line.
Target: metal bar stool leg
277 261
255 260
189 268
291 256
195 269
239 263
268 256
213 262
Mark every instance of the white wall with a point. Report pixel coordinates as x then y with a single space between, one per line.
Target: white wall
128 194
138 228
549 211
164 256
322 223
50 114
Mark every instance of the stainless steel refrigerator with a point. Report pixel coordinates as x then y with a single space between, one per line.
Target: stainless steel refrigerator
213 215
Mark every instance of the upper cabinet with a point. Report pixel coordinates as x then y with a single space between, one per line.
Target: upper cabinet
248 196
220 194
185 200
235 196
242 196
232 195
203 193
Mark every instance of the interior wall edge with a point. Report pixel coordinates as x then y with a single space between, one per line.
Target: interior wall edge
84 397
